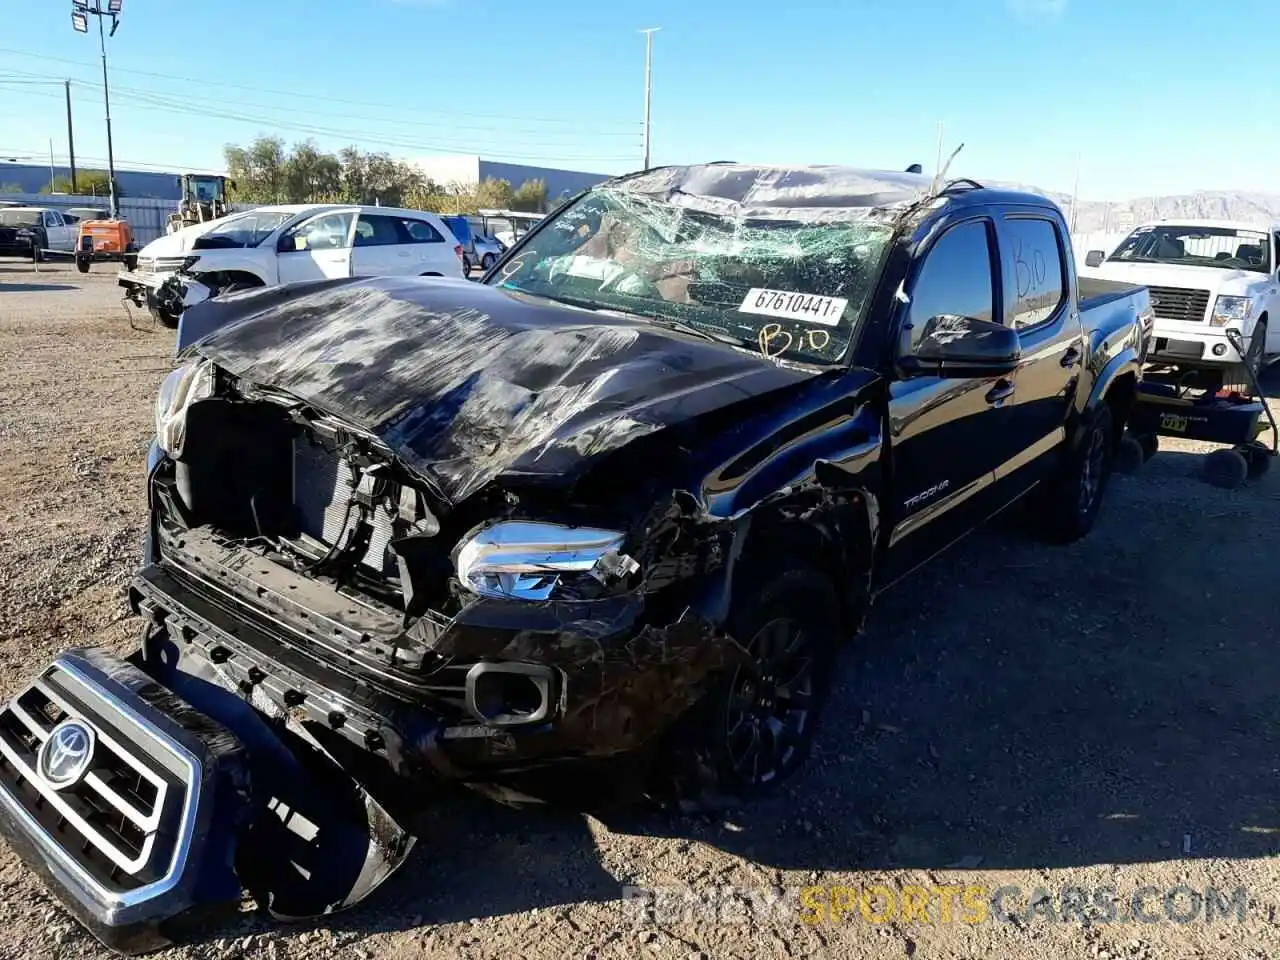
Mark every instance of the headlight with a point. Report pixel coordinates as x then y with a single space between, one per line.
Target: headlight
522 560
190 382
1230 310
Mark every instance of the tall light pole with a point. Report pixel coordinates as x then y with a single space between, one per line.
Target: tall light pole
80 12
648 86
938 167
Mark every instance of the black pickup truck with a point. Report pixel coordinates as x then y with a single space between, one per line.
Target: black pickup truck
613 508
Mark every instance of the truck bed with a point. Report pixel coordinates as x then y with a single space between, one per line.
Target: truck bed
1094 291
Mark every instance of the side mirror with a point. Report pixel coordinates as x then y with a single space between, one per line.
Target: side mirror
287 245
955 346
1094 258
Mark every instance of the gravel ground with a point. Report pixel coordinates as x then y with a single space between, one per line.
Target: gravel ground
1100 715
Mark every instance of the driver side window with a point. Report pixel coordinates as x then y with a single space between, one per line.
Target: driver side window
327 232
956 278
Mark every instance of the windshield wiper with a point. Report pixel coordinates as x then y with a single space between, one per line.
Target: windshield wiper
681 326
671 323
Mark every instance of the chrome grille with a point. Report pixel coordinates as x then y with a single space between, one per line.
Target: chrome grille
160 264
1179 303
122 822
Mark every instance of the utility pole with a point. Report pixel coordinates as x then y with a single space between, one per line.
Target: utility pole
80 11
51 174
938 166
71 141
648 87
1075 196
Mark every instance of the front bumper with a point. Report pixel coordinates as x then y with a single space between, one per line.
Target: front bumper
1201 346
603 681
142 280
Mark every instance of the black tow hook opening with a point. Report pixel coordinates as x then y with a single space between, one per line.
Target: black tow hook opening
510 694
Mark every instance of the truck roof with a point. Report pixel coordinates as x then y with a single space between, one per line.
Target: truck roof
1262 225
805 192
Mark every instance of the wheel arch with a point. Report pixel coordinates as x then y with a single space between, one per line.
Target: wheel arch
836 535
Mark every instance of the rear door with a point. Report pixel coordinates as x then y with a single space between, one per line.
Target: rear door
382 247
1038 303
434 250
947 434
317 248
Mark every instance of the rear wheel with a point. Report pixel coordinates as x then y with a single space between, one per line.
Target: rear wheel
1068 504
487 261
82 264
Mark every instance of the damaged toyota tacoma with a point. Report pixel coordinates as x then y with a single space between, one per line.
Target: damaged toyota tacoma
613 509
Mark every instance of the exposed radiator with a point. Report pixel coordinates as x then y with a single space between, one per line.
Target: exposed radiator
322 489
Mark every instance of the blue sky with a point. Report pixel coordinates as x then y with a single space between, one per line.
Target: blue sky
1155 96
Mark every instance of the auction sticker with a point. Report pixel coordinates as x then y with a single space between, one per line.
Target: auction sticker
807 307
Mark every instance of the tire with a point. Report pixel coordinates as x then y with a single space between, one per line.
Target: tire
1257 456
487 262
1069 502
1237 377
1226 469
755 727
82 264
466 265
1130 455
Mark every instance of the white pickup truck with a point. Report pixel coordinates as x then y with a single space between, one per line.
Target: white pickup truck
1206 277
287 243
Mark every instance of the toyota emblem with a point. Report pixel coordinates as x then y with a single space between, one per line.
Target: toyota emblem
66 754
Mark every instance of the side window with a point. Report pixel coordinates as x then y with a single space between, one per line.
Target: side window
51 219
377 231
328 232
421 232
955 279
1036 285
1275 261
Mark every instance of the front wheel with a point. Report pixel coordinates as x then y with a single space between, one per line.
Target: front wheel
755 727
1238 375
1068 504
487 262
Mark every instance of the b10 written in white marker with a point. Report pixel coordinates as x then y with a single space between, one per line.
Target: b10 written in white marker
794 306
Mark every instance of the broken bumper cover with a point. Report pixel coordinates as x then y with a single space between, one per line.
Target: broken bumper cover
517 686
143 833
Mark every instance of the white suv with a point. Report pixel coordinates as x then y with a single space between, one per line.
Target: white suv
1206 277
285 244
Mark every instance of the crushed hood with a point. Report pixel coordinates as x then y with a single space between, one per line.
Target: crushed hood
465 382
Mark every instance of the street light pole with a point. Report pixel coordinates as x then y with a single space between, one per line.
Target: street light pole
648 87
80 10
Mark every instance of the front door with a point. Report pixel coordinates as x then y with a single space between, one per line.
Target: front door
946 434
317 248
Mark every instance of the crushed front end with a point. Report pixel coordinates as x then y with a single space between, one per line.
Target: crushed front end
301 561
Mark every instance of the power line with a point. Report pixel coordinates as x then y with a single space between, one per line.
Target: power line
205 82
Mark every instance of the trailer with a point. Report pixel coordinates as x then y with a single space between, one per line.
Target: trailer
1193 404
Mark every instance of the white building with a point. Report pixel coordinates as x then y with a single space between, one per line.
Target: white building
471 169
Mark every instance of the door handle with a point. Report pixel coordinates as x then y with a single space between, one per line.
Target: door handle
1001 392
1071 357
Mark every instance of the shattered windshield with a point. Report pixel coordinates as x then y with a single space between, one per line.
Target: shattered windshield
784 288
244 230
1194 246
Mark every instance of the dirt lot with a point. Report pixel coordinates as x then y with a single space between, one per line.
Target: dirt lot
1101 715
